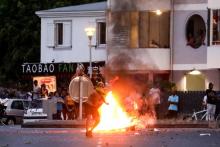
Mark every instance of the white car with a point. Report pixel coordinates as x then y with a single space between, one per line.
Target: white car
15 109
34 114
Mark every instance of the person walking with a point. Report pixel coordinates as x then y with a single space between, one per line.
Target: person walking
95 100
36 90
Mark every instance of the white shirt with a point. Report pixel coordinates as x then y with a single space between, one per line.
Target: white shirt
36 92
155 95
205 100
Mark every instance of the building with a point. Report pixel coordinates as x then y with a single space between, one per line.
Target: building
64 42
177 40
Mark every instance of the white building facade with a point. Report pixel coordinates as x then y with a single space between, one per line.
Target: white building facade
63 36
155 38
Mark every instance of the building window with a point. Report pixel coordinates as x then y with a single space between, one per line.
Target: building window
59 33
195 31
154 29
216 27
101 33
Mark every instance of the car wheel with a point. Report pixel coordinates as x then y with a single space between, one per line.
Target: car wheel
10 121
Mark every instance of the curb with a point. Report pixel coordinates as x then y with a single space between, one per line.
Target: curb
54 124
81 124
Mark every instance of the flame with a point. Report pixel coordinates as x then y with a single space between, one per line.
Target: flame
112 116
135 106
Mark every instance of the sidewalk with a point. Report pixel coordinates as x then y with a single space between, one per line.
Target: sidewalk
158 124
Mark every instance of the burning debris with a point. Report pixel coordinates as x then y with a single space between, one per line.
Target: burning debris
113 117
130 104
128 110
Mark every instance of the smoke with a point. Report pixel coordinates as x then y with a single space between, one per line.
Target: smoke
117 5
131 88
123 62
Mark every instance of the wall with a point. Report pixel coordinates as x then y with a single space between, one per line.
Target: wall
214 4
183 54
80 50
213 59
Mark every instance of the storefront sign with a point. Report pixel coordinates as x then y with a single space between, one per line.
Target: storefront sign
52 68
38 68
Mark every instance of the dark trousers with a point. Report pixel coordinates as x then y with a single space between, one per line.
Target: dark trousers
217 110
172 114
58 115
157 110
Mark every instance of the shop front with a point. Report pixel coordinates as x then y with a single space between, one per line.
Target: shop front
60 73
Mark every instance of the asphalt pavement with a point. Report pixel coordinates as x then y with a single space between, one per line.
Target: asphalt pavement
15 136
169 123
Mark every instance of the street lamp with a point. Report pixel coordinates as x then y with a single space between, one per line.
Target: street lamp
90 32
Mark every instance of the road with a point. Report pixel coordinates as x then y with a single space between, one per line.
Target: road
22 137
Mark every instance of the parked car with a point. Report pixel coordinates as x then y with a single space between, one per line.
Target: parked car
15 109
35 112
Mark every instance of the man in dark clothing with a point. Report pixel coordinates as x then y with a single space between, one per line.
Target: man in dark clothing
95 100
211 101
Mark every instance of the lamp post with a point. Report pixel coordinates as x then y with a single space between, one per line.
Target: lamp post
90 32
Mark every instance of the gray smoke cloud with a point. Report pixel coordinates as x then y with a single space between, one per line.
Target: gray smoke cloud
117 5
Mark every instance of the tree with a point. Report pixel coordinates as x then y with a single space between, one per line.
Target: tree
20 33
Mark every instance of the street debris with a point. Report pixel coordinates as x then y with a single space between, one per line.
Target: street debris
136 133
27 142
205 134
156 130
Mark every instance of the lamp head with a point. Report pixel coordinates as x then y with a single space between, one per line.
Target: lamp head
90 32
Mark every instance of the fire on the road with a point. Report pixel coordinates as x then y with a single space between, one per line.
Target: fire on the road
112 116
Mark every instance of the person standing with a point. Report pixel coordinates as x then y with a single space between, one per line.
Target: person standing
211 101
64 109
80 71
204 104
70 107
173 104
44 91
36 90
155 96
59 105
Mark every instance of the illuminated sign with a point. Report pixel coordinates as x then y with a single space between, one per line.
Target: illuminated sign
49 81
